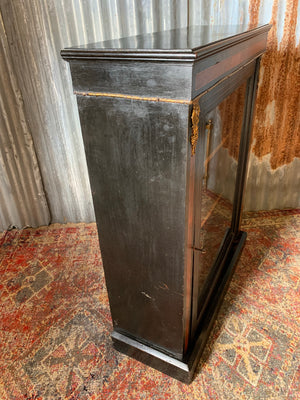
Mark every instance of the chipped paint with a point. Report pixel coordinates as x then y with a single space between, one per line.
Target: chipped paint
164 286
146 295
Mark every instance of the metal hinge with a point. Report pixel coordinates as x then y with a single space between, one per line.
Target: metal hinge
195 126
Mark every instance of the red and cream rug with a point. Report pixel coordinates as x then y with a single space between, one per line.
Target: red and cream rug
55 323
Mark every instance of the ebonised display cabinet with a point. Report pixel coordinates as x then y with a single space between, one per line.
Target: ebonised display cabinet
169 236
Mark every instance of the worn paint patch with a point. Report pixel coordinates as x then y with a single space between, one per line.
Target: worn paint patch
277 115
276 127
270 113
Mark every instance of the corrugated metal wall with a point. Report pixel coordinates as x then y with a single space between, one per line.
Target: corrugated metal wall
35 31
22 198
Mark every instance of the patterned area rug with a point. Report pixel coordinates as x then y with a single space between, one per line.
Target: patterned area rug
55 323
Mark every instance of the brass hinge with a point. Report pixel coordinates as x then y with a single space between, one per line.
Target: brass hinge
195 126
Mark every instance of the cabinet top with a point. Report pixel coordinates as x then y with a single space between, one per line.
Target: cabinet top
183 44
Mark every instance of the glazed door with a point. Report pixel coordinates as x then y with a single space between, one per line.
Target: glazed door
215 181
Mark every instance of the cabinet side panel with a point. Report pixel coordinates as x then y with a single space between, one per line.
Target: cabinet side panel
136 153
164 80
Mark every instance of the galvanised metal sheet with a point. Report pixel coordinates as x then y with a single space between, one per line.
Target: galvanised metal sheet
22 197
38 29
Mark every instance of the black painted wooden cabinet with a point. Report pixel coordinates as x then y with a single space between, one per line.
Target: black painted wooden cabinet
168 250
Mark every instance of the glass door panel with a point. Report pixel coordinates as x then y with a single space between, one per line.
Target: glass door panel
219 148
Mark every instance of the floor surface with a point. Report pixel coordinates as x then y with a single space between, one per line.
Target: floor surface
55 323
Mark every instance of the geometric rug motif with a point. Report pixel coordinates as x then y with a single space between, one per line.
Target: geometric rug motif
55 321
65 361
30 281
244 348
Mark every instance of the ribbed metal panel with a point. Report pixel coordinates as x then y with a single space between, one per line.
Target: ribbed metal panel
218 12
37 30
281 187
22 198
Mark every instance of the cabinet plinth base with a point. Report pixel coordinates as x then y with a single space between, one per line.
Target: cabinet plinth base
184 370
152 357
